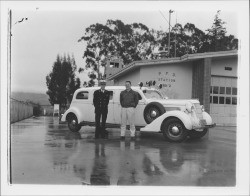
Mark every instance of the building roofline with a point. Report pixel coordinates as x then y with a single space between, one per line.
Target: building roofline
184 58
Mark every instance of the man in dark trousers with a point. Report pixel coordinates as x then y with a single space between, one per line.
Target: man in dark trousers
101 101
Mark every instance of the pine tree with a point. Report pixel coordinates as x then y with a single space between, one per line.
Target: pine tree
61 81
217 34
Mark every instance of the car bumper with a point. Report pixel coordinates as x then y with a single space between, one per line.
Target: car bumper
210 126
201 127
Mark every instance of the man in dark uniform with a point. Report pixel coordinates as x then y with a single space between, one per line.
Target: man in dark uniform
101 101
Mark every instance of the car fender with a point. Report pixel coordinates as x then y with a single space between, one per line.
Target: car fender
155 126
74 111
207 117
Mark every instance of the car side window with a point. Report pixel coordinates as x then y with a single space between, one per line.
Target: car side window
82 95
139 96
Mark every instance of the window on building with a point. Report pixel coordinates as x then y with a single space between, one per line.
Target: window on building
228 95
228 68
221 100
228 90
82 95
234 91
215 90
116 65
228 100
234 100
111 64
222 90
215 99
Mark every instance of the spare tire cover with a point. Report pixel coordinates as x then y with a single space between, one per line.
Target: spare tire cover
159 109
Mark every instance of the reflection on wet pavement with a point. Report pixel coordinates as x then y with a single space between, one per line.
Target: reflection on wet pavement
45 152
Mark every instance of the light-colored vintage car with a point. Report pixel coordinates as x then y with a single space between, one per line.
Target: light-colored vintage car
176 119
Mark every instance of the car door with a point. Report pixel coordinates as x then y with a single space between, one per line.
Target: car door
84 102
139 116
117 106
110 116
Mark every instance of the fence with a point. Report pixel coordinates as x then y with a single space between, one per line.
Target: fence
20 110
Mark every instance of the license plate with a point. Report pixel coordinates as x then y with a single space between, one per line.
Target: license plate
203 122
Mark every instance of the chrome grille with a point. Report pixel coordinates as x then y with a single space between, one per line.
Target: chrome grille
198 110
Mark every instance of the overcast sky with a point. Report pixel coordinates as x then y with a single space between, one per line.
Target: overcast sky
55 29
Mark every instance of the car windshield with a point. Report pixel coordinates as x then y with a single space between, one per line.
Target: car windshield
152 94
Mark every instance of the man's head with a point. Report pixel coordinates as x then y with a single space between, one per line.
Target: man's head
103 84
128 85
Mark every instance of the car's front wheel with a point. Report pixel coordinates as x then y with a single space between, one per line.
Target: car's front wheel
193 134
174 130
73 123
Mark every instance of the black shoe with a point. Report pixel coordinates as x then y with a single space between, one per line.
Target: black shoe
105 136
106 132
132 138
122 137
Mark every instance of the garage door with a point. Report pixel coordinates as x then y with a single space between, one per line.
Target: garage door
223 100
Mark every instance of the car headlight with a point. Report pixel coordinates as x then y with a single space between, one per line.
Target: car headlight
189 107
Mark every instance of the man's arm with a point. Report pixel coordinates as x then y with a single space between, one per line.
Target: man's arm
108 96
136 99
95 98
121 101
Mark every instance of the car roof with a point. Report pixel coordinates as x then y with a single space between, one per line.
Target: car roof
115 88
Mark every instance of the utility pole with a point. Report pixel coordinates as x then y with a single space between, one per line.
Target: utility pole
170 12
8 91
175 36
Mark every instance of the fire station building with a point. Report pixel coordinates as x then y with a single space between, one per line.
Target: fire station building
210 77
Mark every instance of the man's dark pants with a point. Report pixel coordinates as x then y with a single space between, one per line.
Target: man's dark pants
100 130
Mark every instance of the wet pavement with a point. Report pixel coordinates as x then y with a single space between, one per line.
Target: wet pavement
43 151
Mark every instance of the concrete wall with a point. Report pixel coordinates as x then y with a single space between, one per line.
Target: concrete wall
201 82
20 110
219 64
176 79
133 76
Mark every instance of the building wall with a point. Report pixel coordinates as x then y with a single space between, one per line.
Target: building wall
201 81
176 78
223 91
133 76
219 64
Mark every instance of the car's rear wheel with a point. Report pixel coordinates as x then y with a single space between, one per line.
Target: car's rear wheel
173 130
193 134
153 111
73 123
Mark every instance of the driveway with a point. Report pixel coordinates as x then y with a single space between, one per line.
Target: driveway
43 151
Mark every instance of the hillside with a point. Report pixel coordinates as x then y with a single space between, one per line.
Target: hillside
39 98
